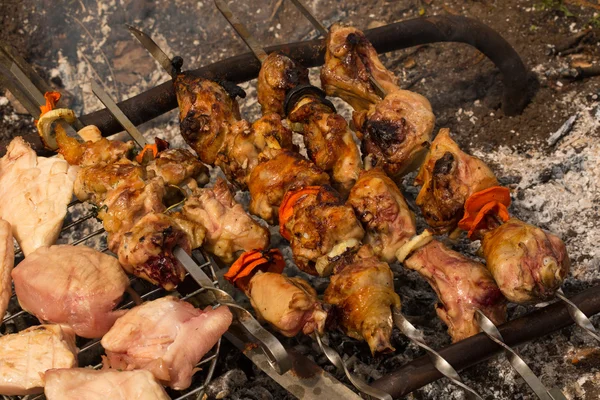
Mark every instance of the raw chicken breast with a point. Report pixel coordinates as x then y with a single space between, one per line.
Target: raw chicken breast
34 194
88 384
72 285
7 261
25 356
167 337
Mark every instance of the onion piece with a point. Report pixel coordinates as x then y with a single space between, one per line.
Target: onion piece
44 125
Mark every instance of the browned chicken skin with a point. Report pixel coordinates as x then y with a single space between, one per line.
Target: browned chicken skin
322 228
92 152
528 263
244 143
95 181
349 60
448 177
382 210
329 142
362 290
462 286
206 113
229 228
176 166
290 305
277 76
277 171
396 131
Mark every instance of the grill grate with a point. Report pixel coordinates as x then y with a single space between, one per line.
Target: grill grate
80 227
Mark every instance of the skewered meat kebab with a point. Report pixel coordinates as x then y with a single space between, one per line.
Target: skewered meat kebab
88 384
289 305
7 262
395 130
71 285
528 263
25 357
329 142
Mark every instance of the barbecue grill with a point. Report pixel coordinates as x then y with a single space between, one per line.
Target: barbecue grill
85 230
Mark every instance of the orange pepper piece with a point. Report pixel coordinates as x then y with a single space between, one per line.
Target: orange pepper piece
149 147
494 200
243 269
51 99
286 209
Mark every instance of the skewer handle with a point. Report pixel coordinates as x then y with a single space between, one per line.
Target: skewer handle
578 316
440 363
334 357
488 327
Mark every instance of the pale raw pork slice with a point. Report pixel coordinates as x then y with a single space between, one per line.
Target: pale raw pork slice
7 261
167 337
88 384
72 285
34 194
27 355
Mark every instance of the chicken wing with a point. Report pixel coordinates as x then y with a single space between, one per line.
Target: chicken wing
329 142
362 289
206 113
277 171
277 76
382 210
7 262
176 166
462 286
321 228
229 228
349 61
72 285
448 177
34 194
88 384
167 337
528 263
290 305
25 357
396 131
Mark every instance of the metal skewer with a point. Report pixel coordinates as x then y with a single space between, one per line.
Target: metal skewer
273 349
318 25
488 327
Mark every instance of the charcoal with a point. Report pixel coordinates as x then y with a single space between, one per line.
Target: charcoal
224 385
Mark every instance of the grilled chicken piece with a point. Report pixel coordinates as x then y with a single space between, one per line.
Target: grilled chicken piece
123 207
25 357
206 112
147 250
88 384
7 262
448 177
396 131
290 305
176 166
167 337
362 289
194 231
349 60
321 229
34 194
94 151
229 228
277 76
72 285
462 286
382 210
329 142
528 263
245 142
95 181
277 171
